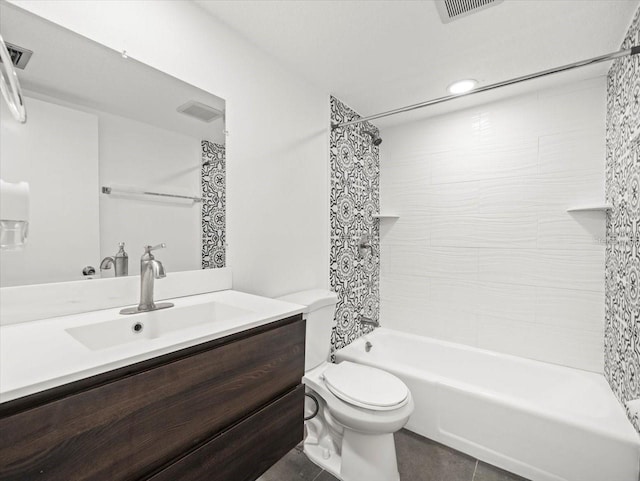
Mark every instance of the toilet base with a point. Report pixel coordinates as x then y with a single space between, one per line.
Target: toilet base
364 456
323 438
317 455
368 456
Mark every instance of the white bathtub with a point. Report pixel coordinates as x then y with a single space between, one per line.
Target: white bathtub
541 421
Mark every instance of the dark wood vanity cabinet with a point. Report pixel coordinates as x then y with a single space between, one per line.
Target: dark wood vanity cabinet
224 410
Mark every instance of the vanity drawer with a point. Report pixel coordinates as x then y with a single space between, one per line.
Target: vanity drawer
262 439
129 427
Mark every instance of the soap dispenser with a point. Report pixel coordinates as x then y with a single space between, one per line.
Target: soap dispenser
121 262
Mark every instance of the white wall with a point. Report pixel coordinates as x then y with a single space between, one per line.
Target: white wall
143 156
56 152
277 169
484 252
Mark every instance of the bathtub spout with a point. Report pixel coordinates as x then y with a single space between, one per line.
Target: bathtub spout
368 321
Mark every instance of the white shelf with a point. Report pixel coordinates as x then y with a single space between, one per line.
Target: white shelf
591 208
385 216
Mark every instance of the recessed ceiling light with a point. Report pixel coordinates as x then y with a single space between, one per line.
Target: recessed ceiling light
462 86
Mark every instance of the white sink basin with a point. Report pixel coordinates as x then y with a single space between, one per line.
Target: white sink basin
42 354
152 325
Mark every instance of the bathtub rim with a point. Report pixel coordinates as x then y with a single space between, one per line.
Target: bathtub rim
467 347
630 436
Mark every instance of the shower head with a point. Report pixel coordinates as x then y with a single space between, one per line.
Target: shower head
375 139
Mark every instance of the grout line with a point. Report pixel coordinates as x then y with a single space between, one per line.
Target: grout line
474 471
322 471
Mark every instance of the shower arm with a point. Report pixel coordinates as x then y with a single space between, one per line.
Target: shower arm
583 63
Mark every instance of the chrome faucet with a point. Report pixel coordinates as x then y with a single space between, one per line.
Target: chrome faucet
150 269
120 262
368 321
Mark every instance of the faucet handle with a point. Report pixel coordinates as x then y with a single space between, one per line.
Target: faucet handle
148 249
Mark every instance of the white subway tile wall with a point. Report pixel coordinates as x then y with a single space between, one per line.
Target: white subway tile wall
484 252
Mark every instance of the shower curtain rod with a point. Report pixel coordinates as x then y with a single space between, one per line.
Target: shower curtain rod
583 63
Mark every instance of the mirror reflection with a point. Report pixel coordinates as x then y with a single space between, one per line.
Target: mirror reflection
115 155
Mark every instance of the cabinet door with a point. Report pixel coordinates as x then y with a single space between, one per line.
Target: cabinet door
248 449
127 428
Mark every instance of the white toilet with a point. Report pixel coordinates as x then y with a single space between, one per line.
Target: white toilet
358 407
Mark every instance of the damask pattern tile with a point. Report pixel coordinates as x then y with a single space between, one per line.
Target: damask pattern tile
354 199
213 205
622 258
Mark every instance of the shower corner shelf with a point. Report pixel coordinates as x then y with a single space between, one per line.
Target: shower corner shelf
385 216
591 208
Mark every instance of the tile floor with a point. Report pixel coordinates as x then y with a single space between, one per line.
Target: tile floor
419 459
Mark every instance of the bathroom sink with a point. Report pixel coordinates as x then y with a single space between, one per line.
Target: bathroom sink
155 324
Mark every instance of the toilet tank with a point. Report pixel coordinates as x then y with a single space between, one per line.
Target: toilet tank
320 312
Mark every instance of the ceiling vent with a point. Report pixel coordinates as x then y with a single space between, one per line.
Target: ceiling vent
19 56
200 111
451 10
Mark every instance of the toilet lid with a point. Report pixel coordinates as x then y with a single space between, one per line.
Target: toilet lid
365 386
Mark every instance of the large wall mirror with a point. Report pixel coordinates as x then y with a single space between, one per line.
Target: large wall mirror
113 151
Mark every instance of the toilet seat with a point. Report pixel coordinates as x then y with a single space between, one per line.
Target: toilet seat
363 419
365 386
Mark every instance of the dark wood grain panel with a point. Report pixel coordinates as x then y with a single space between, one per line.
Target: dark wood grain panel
127 428
260 440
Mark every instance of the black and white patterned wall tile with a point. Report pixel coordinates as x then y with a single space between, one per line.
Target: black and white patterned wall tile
213 205
622 257
354 199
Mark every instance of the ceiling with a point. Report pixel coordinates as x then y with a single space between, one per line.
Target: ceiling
380 55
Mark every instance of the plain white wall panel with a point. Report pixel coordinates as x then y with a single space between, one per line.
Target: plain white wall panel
543 267
570 308
431 261
549 343
482 230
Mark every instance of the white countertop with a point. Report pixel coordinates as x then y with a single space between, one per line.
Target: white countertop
39 355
